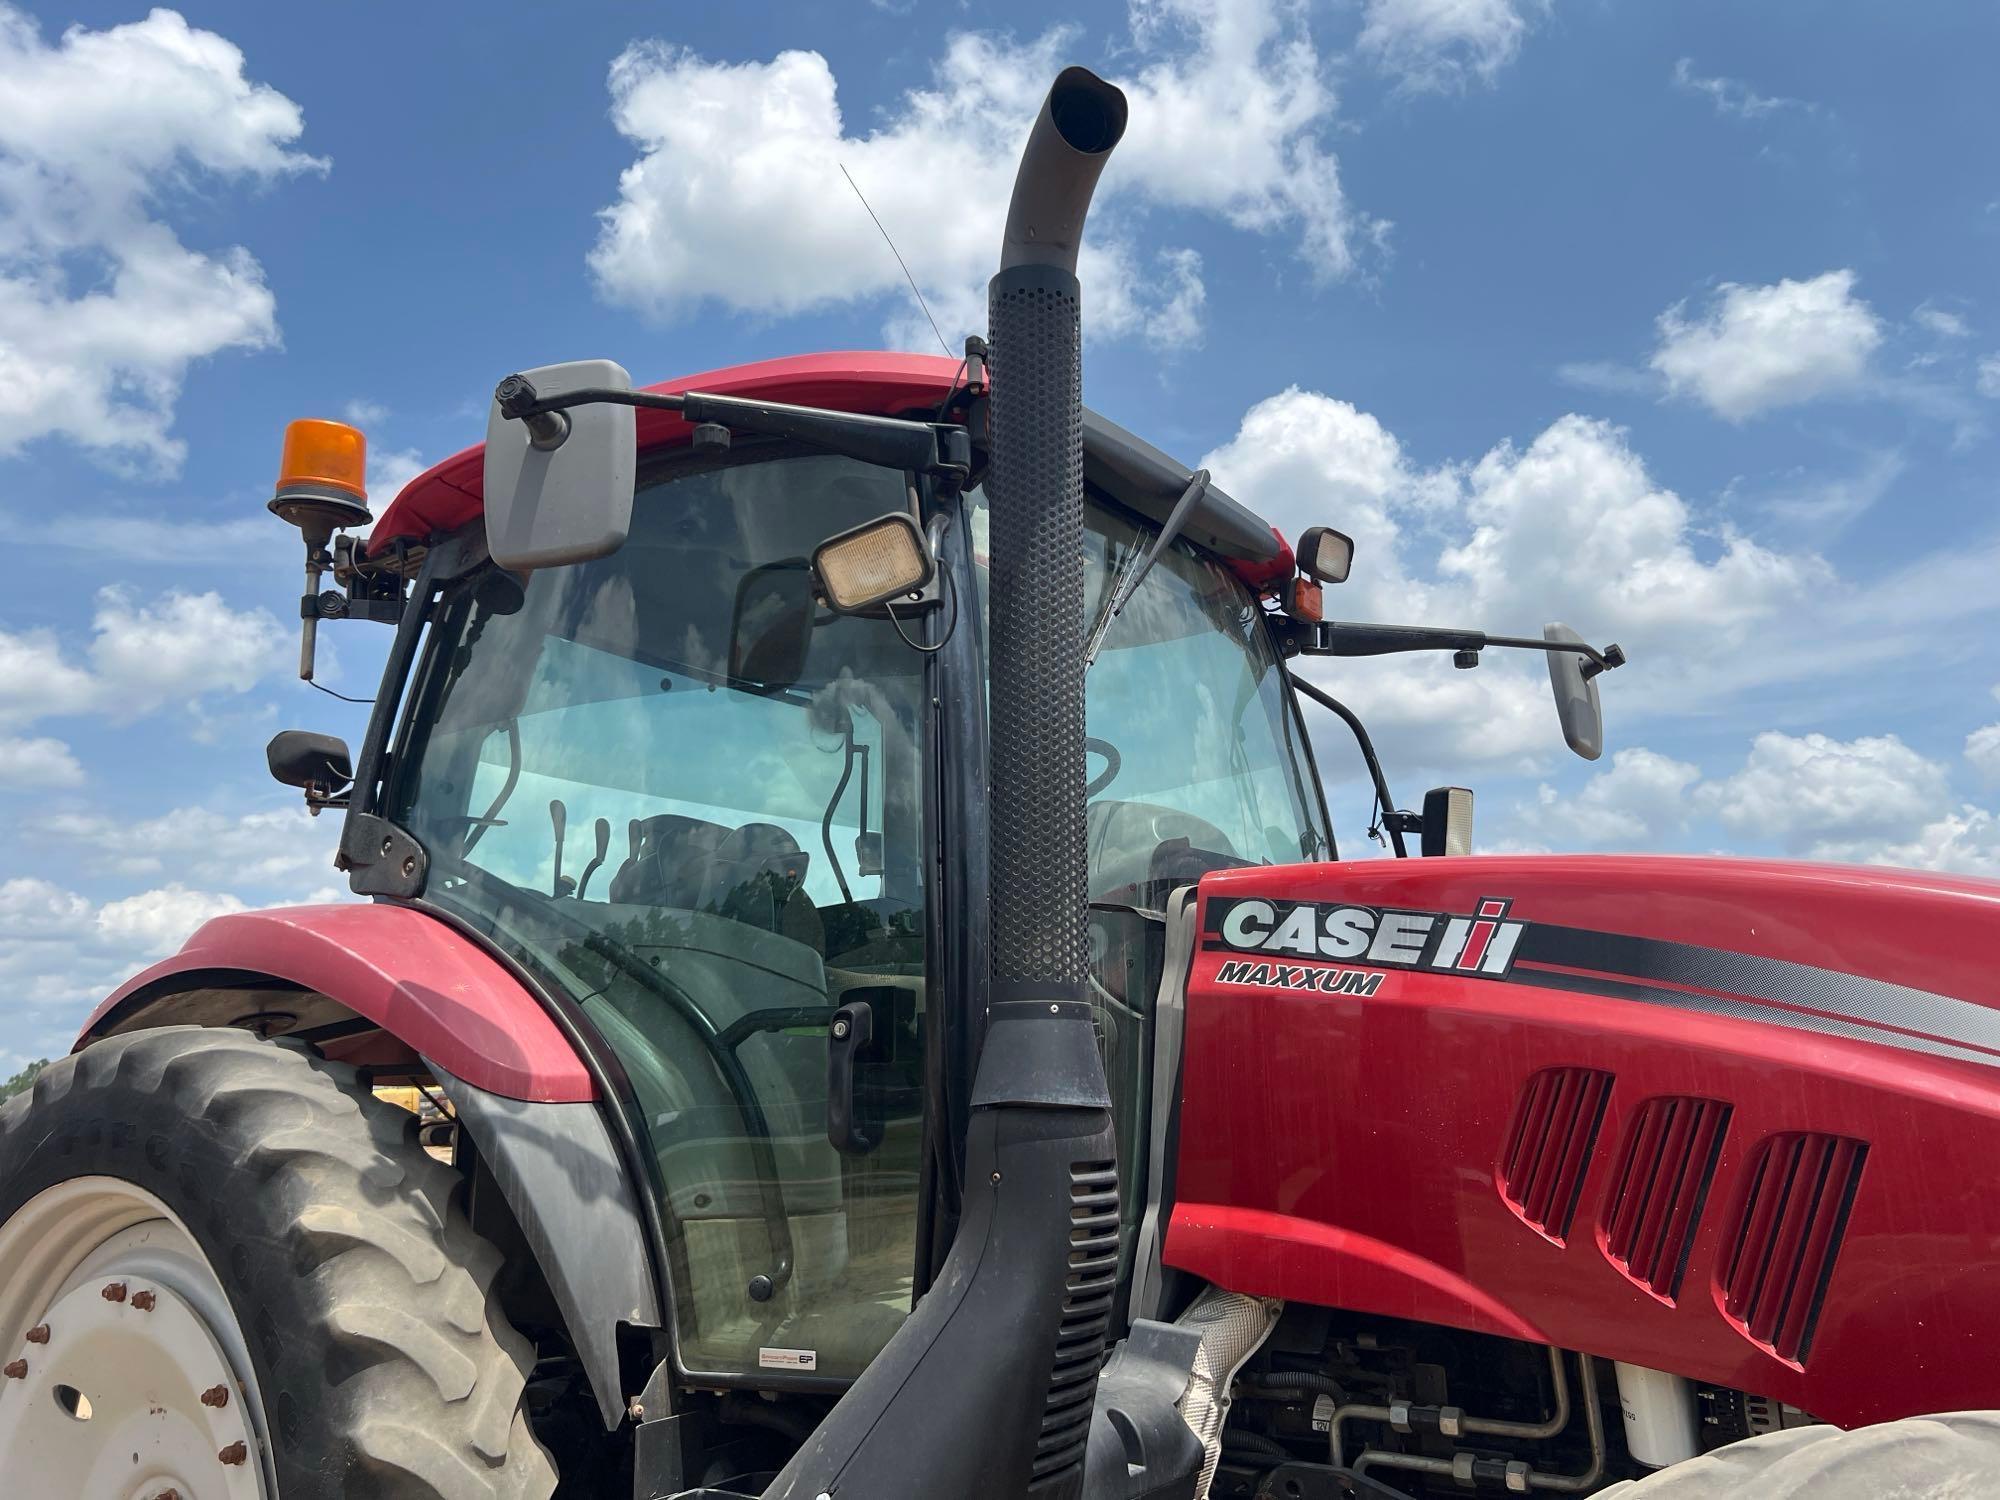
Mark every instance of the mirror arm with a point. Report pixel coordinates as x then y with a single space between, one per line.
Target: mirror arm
942 450
1344 638
1395 823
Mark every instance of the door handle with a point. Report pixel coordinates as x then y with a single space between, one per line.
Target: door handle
849 1033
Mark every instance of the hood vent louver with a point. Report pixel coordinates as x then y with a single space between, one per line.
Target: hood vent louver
1780 1258
1661 1185
1088 1293
1549 1143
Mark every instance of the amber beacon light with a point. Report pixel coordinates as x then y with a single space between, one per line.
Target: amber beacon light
321 489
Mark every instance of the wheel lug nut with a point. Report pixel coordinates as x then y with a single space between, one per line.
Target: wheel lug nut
216 1396
235 1453
39 1334
15 1370
115 1292
144 1301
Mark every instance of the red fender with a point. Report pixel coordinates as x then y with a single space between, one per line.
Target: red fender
415 977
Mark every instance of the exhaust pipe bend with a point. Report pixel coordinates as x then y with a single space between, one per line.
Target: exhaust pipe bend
1081 120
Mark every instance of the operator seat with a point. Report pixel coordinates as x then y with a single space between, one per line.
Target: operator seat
757 876
669 863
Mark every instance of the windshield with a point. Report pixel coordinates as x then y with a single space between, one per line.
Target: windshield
1196 761
710 864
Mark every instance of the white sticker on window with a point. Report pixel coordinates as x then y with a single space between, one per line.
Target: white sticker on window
788 1359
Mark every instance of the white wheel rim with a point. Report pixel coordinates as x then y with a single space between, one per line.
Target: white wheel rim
127 1374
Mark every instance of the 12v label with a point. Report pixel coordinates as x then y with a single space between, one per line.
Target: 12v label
1480 942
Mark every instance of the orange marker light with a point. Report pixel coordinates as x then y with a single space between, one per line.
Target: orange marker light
324 456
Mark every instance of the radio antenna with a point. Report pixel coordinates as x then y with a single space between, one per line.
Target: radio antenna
914 288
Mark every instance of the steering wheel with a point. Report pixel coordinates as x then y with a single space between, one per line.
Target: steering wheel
1113 761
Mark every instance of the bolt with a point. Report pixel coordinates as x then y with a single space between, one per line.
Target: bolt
235 1453
16 1370
39 1334
115 1292
1055 1010
216 1396
387 845
996 1179
636 1409
409 866
144 1301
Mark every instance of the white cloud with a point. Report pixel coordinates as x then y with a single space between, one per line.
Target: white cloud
1641 797
102 308
61 953
737 195
159 921
1573 528
1828 797
362 412
1941 321
276 849
1982 751
1761 347
389 471
1989 376
142 657
1440 44
1825 505
37 763
1731 96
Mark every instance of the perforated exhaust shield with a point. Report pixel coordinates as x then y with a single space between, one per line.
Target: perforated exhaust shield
1035 489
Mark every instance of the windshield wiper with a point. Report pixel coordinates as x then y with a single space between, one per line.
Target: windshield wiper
1123 587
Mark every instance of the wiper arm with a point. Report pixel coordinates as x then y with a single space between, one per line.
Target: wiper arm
1121 595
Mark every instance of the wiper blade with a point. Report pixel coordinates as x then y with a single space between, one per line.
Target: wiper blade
1122 594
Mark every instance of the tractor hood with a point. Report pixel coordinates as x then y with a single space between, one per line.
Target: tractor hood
1730 1118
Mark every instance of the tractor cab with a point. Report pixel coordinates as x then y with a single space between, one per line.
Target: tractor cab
728 821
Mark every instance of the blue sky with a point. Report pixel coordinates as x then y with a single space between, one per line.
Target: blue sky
1680 323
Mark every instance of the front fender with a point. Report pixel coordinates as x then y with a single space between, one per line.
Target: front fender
410 974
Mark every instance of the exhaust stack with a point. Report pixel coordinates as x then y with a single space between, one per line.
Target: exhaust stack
988 1387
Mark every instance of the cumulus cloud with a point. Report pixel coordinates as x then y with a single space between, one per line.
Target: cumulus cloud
37 763
1443 44
159 921
1819 795
1869 800
1630 806
61 952
737 195
1982 749
102 308
1572 527
1988 378
273 848
142 657
1757 348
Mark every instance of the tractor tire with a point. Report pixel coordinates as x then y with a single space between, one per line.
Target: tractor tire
261 1196
1954 1456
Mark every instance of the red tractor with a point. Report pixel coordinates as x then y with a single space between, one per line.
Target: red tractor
847 866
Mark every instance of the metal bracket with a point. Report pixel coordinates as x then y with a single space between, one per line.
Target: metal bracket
381 858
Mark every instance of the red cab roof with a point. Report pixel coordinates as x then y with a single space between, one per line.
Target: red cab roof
448 495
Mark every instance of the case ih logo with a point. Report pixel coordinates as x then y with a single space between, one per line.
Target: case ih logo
1482 943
